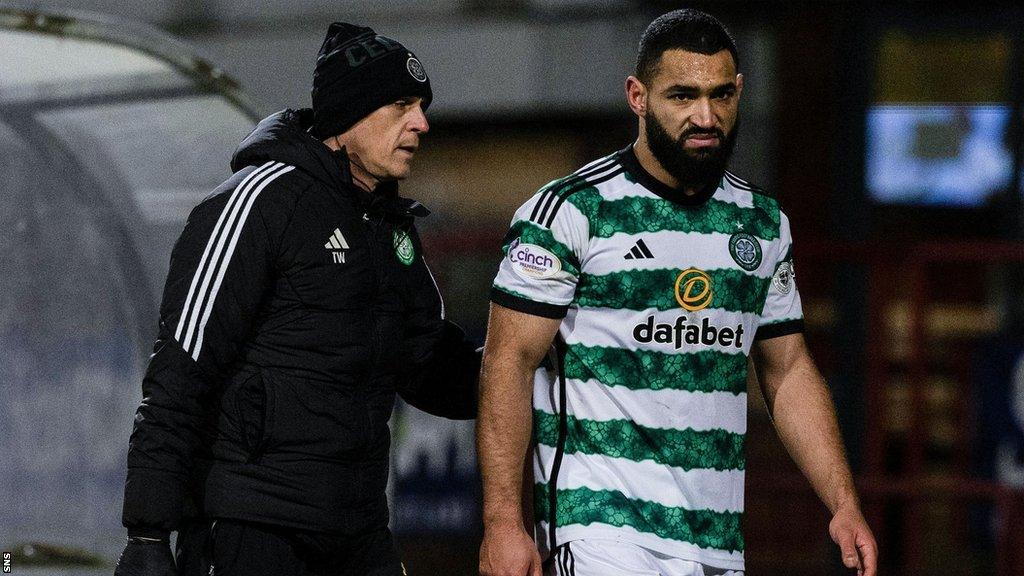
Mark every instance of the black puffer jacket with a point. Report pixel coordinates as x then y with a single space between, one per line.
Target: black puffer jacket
296 306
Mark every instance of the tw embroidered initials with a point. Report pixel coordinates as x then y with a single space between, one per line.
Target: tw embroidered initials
337 245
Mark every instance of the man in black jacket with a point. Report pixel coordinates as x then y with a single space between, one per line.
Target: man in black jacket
297 304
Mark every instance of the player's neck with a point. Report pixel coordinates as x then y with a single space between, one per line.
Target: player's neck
649 163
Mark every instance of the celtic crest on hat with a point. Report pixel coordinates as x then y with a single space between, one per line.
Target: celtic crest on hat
416 69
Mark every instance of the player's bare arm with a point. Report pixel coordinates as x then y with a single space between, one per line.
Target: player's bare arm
802 411
516 343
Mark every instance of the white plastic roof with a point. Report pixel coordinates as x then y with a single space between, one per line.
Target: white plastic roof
41 63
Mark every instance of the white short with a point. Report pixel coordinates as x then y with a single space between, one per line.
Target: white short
595 557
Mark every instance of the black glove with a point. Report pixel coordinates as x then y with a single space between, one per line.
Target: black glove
145 556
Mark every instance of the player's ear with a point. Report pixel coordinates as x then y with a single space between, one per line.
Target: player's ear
636 95
739 85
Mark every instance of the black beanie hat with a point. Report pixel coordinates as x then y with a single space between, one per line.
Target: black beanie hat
358 71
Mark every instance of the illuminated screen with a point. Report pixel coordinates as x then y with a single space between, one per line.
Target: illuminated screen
937 154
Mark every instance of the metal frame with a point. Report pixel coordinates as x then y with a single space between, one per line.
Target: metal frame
119 32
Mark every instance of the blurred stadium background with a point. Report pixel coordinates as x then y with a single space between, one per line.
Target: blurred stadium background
892 134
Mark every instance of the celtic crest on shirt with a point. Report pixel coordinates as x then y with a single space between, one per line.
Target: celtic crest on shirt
745 250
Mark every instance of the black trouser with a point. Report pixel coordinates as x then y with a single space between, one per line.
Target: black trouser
236 548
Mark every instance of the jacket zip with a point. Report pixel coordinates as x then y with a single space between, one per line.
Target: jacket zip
378 269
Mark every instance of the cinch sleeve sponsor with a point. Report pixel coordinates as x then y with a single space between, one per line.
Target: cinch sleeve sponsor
541 259
782 312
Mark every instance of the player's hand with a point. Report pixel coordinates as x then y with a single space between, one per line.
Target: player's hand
856 543
508 551
146 558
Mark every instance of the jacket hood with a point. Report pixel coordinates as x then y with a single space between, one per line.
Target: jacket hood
282 137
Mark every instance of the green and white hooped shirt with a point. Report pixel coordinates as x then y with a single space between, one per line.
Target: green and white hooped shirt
640 413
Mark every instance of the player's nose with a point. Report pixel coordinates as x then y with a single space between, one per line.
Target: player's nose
703 116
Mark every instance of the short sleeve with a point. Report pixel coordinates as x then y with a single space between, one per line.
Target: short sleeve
542 253
782 313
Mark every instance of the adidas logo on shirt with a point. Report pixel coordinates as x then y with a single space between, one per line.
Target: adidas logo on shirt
337 245
639 251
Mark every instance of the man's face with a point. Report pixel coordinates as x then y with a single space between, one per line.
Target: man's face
690 114
383 143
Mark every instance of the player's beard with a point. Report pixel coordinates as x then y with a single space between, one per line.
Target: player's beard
693 169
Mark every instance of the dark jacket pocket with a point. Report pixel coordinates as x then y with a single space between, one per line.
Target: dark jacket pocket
261 414
250 403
